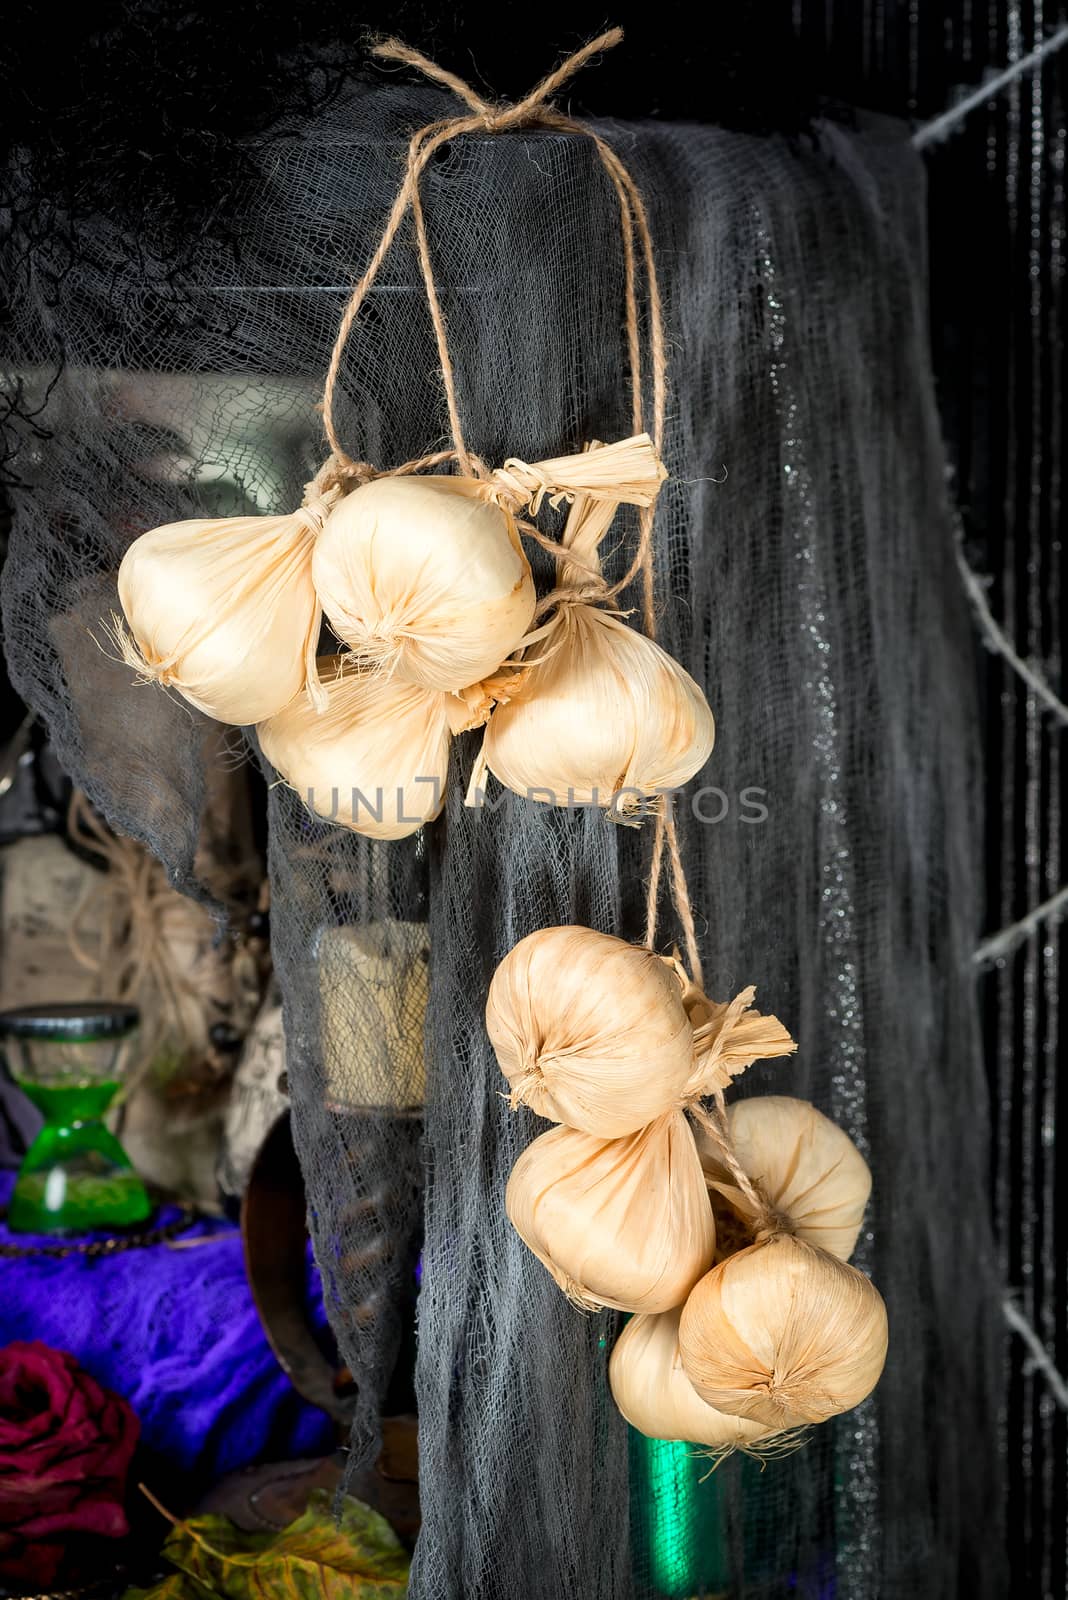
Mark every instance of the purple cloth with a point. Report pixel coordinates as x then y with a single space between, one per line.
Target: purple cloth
175 1331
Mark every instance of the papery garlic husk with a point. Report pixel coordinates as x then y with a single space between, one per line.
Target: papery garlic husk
628 472
589 1030
618 1222
653 1392
606 718
426 579
728 1036
783 1333
805 1167
375 760
470 707
224 610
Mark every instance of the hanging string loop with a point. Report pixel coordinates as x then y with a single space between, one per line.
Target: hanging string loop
534 110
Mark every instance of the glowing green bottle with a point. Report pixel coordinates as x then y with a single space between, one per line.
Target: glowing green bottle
75 1175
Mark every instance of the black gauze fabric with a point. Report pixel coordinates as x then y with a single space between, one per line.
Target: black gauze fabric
804 575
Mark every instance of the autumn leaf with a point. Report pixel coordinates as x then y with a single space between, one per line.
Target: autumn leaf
316 1558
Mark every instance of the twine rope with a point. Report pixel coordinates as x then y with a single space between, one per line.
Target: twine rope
535 110
766 1222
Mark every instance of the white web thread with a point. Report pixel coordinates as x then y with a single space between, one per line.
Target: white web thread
1041 1360
998 643
1003 943
948 122
997 640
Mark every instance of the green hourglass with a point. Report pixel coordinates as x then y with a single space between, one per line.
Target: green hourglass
75 1175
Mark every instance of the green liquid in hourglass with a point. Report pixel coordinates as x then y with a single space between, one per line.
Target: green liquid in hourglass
76 1174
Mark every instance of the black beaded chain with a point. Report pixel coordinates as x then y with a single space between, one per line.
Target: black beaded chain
94 1248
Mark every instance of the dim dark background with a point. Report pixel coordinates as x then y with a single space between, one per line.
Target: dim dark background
141 111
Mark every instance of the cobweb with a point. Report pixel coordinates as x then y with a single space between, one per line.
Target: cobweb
804 575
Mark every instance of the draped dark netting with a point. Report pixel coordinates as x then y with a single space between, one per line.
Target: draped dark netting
804 567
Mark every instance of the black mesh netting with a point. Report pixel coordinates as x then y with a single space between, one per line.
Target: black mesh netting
804 575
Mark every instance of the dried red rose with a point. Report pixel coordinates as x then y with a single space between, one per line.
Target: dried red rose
65 1450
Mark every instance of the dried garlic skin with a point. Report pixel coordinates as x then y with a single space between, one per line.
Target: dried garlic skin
653 1392
379 747
425 578
728 1035
606 714
627 472
590 1030
223 611
782 1333
805 1166
625 1223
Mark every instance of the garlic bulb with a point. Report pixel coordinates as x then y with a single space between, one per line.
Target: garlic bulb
654 1394
803 1164
425 578
375 760
605 718
589 1030
783 1333
618 1222
224 610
